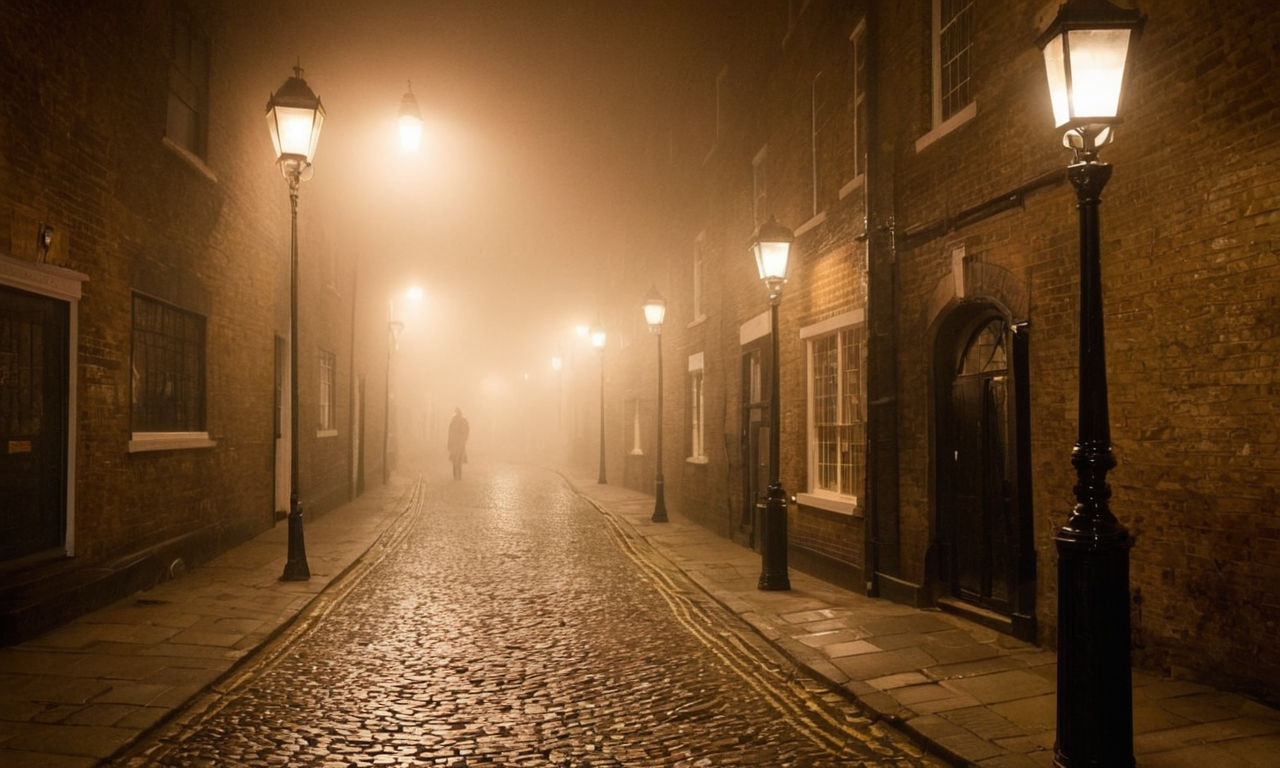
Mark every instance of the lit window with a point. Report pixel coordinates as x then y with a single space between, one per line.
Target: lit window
328 365
697 425
168 368
187 121
837 437
636 449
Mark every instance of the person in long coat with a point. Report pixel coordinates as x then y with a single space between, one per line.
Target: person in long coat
459 431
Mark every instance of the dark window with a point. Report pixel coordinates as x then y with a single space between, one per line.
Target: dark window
955 38
328 366
187 121
168 368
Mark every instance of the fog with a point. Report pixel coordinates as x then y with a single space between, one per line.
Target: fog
508 215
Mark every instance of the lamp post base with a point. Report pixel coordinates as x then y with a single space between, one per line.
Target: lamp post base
659 504
1095 693
296 568
773 544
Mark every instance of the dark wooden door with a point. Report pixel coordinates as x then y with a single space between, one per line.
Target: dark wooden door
981 504
755 441
33 422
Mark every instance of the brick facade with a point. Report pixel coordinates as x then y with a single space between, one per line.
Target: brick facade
976 221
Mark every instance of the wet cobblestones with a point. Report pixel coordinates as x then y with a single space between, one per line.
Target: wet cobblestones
512 625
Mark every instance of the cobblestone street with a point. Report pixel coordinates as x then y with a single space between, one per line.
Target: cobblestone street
510 622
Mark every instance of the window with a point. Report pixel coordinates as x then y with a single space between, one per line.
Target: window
699 248
759 186
168 368
697 424
636 449
328 366
187 121
818 119
837 450
722 79
858 99
952 39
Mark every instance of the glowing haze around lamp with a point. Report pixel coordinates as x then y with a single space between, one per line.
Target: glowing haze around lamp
410 121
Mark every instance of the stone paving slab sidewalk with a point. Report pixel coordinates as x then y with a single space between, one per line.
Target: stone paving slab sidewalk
80 693
973 694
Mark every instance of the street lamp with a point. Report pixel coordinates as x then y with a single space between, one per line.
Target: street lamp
597 341
294 117
655 309
1086 49
410 121
771 246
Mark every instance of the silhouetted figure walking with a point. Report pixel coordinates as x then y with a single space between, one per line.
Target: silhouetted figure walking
459 430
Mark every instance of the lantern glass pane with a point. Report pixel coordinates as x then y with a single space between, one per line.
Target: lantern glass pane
294 130
597 339
1055 70
654 312
1097 70
410 133
771 259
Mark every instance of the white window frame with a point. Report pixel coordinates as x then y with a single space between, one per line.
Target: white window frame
817 116
328 425
697 412
943 126
636 446
827 498
857 100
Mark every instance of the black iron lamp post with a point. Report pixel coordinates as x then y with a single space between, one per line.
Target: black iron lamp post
394 327
294 116
597 341
1086 49
655 310
771 246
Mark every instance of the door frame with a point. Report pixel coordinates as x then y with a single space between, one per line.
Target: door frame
64 285
952 334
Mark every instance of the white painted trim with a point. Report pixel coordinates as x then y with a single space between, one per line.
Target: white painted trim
697 460
755 328
64 284
817 219
142 442
842 320
193 159
696 362
326 433
853 185
952 123
841 505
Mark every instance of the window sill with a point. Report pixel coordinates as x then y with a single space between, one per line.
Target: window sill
841 505
696 460
326 433
636 452
817 219
192 159
142 442
947 126
699 320
853 185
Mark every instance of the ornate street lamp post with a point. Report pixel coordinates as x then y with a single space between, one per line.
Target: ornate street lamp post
294 116
655 309
597 341
1086 49
771 246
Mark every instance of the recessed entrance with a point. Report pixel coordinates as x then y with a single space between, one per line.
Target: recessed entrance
983 531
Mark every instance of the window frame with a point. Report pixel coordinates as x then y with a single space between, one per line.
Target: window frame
188 84
192 433
699 277
941 124
697 443
326 400
858 106
831 497
759 185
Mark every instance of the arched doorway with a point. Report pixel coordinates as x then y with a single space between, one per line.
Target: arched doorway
983 506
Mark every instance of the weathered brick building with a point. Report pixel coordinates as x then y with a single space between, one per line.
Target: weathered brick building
144 303
929 327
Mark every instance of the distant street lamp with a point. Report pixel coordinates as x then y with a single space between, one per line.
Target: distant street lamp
771 246
294 116
410 121
655 309
597 341
1086 50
